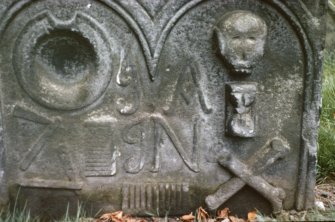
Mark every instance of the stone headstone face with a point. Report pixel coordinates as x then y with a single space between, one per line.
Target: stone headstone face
160 106
3 182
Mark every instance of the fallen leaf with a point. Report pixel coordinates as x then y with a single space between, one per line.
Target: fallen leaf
233 219
105 218
131 219
236 219
112 217
202 210
188 218
118 214
252 215
202 215
155 219
222 214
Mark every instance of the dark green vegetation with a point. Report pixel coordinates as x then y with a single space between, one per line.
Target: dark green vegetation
326 151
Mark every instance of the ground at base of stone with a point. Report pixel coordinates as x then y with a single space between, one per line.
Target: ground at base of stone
324 211
324 194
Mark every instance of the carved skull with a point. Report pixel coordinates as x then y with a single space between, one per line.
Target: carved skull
241 36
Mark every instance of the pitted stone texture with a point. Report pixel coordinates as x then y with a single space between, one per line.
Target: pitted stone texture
160 105
3 178
330 37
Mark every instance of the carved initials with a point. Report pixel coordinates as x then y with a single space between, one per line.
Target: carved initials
192 72
160 124
191 162
127 78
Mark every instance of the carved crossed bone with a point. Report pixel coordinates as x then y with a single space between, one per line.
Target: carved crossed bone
246 176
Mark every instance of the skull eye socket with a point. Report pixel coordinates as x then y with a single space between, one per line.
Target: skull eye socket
252 38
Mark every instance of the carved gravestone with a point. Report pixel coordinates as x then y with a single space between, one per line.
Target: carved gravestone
160 106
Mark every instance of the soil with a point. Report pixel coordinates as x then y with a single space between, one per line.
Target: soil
326 194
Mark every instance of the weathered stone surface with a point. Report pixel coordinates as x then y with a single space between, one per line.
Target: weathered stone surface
3 181
330 37
161 106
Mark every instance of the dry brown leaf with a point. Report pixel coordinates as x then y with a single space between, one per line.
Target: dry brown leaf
155 219
236 219
202 210
118 214
252 215
112 217
131 219
202 215
233 219
188 218
222 214
105 218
